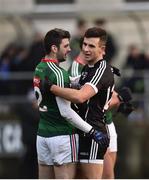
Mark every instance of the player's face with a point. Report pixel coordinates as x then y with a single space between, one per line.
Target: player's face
92 49
63 50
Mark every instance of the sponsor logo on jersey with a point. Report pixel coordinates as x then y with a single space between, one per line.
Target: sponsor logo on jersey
84 75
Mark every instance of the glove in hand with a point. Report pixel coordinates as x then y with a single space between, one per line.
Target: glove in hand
75 82
125 108
125 94
101 138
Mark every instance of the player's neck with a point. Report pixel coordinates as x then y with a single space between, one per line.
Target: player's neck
49 58
94 61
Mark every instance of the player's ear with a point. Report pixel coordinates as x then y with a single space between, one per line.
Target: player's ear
54 48
103 49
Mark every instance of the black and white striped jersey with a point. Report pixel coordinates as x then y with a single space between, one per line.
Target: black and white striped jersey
101 78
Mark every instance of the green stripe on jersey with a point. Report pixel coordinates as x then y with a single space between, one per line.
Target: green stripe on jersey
108 119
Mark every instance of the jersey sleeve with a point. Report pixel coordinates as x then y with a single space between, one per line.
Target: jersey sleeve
71 116
75 69
97 79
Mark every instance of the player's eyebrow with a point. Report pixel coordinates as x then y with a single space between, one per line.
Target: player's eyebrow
90 45
66 45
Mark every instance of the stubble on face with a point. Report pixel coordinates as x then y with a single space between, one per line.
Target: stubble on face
64 49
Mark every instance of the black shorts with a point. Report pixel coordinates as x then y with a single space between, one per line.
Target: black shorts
89 150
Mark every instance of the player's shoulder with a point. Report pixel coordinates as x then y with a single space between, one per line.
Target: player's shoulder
54 68
39 68
74 63
104 64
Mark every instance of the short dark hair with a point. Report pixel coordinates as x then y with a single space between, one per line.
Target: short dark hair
54 37
96 32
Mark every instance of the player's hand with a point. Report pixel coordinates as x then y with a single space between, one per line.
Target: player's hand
75 86
125 108
101 138
125 94
75 82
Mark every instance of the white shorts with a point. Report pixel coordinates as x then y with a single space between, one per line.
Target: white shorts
113 138
57 150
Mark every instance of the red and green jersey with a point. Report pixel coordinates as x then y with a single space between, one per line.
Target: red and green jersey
51 122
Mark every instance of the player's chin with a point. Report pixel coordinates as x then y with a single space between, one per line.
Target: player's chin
88 59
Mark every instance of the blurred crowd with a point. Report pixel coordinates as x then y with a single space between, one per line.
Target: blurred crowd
17 58
16 62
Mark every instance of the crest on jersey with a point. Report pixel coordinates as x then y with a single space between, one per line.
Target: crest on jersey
36 81
84 75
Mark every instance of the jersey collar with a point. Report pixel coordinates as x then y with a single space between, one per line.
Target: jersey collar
96 64
79 60
49 60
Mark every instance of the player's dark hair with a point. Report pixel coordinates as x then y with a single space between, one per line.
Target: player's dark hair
96 32
54 37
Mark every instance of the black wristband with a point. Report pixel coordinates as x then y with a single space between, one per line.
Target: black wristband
91 131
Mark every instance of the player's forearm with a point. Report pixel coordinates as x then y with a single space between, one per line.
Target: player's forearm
72 95
115 102
77 121
71 116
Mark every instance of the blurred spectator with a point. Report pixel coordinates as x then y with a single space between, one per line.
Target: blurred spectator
135 58
111 48
81 26
6 59
20 64
135 61
36 51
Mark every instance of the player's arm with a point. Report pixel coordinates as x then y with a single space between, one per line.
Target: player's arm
73 95
72 117
123 96
115 101
122 100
